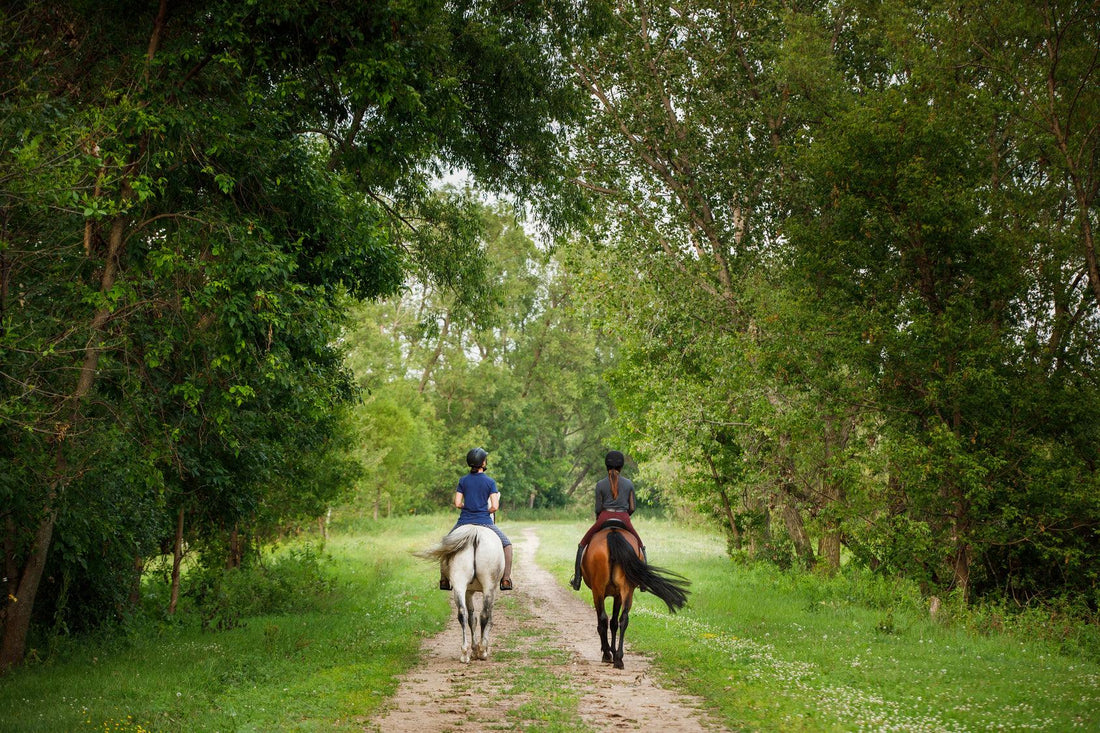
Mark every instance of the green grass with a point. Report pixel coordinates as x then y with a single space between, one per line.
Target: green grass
776 652
537 676
327 667
768 652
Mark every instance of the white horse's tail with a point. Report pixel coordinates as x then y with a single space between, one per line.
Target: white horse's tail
451 545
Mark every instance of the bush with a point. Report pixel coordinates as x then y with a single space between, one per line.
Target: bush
295 580
1069 625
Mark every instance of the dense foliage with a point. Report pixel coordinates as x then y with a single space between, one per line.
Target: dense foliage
856 284
519 373
191 196
840 289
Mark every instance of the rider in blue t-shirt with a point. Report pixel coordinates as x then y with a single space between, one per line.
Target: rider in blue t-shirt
478 498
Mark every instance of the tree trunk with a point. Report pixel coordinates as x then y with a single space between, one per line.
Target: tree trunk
17 613
829 546
962 571
17 616
11 567
578 481
833 493
177 560
546 324
135 589
792 518
764 534
443 333
728 509
962 552
236 553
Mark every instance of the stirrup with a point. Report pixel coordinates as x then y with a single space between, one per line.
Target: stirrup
444 584
506 584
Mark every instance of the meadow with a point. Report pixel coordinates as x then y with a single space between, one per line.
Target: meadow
767 651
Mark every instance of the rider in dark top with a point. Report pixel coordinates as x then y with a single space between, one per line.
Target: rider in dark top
615 499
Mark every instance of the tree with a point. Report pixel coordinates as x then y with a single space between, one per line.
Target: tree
191 196
516 370
848 244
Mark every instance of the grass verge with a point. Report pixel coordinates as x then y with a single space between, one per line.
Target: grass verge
766 651
327 666
773 652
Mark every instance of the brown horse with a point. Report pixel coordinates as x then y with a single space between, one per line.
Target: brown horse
613 566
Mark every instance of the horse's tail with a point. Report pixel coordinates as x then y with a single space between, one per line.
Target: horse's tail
670 587
451 545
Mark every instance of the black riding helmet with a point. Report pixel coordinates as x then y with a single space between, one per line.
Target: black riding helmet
475 458
614 461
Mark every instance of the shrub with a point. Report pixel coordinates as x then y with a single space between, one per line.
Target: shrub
294 580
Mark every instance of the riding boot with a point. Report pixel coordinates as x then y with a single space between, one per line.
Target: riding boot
576 581
642 588
444 581
506 581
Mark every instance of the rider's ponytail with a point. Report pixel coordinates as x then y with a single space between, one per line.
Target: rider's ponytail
614 462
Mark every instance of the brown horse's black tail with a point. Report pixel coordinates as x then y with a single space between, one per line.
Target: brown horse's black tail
670 587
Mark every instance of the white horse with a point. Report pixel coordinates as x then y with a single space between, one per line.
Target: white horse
472 558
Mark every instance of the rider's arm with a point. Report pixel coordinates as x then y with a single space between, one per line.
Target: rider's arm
494 502
460 500
630 502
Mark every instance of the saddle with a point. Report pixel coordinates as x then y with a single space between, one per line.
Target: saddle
612 523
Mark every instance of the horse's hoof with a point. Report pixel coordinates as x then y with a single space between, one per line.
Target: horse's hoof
618 664
607 657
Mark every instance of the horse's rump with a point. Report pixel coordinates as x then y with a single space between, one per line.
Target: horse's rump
670 587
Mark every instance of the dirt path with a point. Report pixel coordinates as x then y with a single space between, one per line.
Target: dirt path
545 654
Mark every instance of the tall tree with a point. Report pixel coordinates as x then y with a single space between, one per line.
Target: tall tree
190 193
849 250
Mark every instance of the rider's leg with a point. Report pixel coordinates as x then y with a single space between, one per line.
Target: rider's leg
507 579
576 581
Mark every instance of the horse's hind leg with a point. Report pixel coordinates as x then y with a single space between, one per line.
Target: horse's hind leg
464 623
481 650
624 621
601 626
618 626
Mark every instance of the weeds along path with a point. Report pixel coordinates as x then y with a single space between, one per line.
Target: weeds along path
544 671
